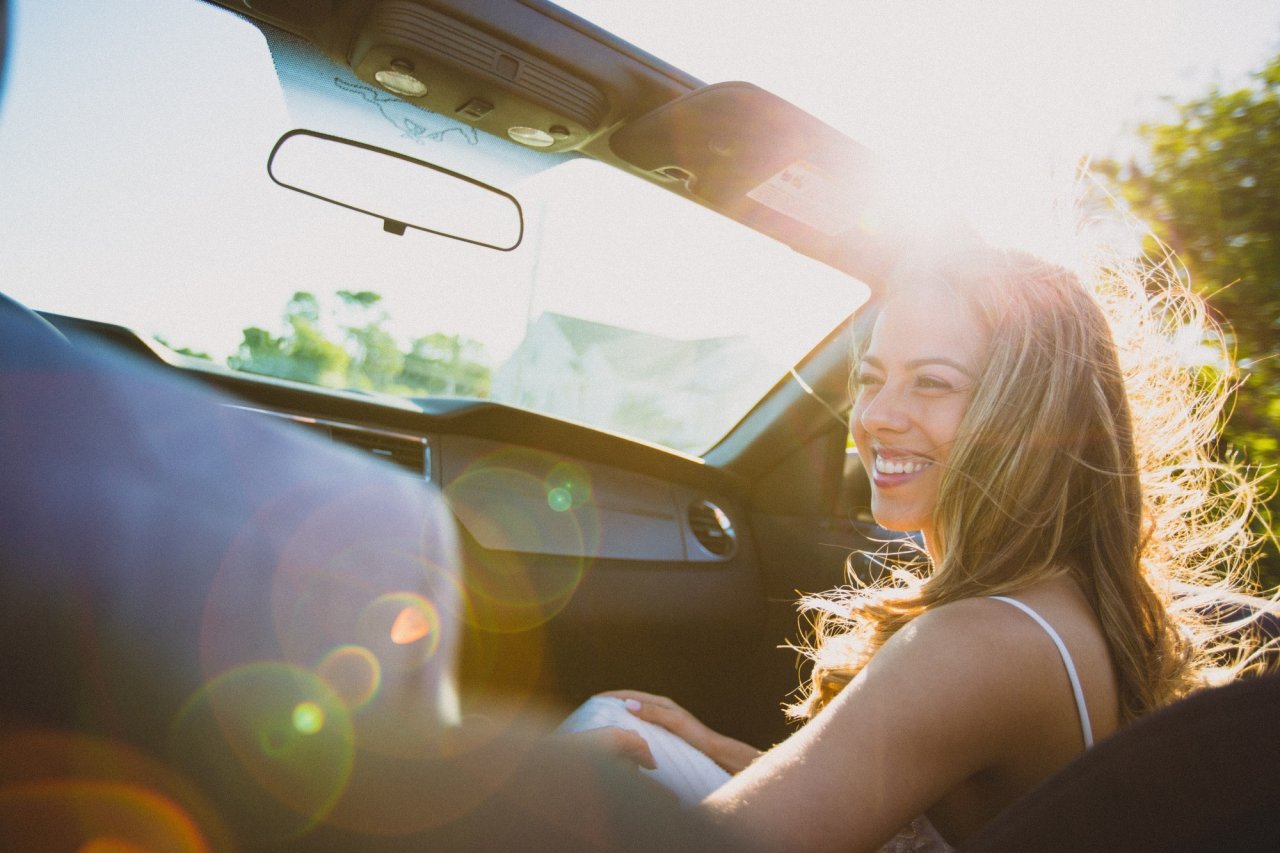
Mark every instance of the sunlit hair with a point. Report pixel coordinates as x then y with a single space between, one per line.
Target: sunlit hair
1086 450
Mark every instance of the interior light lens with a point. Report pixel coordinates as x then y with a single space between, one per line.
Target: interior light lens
531 136
400 83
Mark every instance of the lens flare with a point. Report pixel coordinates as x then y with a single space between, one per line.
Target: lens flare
559 499
410 626
401 629
532 516
274 728
92 814
319 605
68 791
353 673
333 551
308 718
571 482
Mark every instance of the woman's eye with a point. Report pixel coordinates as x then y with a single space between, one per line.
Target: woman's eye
933 383
864 380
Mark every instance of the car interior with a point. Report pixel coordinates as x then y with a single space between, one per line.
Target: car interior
672 570
647 462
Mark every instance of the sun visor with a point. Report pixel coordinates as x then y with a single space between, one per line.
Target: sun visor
761 160
324 96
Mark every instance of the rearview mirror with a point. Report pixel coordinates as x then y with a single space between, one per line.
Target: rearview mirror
399 190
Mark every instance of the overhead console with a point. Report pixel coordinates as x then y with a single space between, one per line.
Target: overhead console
524 70
459 71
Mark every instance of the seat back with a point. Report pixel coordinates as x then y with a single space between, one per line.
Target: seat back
1202 774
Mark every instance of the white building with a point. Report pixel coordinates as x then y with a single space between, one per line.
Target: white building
677 393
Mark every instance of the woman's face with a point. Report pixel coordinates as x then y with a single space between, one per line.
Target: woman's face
911 391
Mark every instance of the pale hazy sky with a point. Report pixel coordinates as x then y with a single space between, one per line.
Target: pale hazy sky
990 102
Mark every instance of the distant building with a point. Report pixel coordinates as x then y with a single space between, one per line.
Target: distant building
677 393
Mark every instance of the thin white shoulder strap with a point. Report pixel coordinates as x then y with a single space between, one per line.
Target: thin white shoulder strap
1085 726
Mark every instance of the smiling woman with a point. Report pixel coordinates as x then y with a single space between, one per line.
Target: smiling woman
913 386
1036 430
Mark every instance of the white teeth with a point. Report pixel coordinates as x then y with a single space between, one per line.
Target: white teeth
904 466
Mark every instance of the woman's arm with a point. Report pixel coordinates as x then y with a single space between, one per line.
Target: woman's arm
952 694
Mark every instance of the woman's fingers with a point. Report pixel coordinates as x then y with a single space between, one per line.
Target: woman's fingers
676 719
629 745
619 742
731 754
641 696
661 711
636 748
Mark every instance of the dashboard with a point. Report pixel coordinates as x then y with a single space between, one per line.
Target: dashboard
577 547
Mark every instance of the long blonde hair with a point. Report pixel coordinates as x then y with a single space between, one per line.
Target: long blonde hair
1084 451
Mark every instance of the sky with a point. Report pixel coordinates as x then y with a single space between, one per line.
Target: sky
989 104
145 202
986 106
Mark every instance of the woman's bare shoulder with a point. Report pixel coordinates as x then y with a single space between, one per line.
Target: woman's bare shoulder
973 633
994 666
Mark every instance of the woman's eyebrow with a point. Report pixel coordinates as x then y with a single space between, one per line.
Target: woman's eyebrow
938 359
915 363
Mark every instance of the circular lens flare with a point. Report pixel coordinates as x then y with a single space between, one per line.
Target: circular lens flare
308 718
353 673
559 499
68 791
274 728
402 629
410 626
532 516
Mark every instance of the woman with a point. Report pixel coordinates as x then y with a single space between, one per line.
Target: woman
992 410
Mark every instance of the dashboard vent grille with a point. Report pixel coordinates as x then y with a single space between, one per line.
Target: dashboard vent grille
410 452
712 528
407 451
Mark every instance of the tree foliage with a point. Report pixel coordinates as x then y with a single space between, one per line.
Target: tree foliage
360 352
1211 191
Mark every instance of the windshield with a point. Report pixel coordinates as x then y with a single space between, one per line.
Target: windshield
147 203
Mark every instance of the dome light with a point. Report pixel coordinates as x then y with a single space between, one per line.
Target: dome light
398 81
531 136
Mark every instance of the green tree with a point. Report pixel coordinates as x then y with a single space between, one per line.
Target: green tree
359 351
303 353
447 365
376 360
1211 191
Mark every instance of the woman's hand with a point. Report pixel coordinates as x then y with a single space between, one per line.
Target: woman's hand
616 742
732 755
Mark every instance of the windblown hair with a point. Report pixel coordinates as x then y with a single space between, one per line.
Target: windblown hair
1086 450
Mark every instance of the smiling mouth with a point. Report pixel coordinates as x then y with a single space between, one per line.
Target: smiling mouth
899 466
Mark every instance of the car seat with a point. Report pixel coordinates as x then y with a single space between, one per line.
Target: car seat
1200 775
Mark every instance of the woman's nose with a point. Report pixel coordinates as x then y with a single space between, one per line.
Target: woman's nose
885 411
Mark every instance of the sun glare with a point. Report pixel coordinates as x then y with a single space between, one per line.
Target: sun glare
987 107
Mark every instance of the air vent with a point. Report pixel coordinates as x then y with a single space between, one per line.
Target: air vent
410 452
407 451
712 528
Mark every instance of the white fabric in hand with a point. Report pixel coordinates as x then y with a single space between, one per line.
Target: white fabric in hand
682 768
